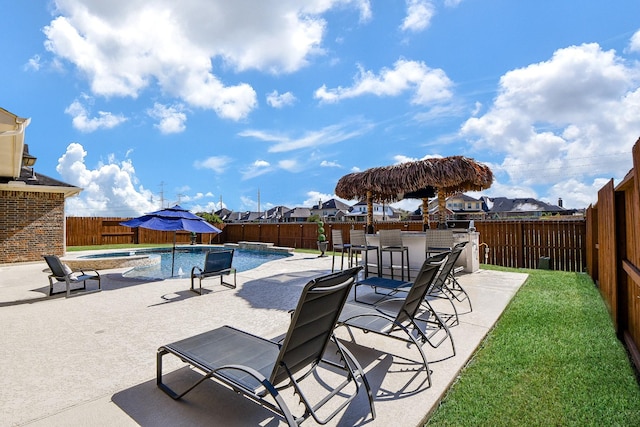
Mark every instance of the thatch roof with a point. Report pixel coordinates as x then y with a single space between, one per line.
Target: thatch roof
416 179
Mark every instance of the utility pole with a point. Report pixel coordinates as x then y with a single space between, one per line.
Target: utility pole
161 194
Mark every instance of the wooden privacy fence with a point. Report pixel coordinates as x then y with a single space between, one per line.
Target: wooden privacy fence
523 244
511 243
88 231
613 245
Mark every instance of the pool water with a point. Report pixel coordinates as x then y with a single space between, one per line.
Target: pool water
188 257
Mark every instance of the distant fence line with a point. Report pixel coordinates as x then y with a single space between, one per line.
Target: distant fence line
511 243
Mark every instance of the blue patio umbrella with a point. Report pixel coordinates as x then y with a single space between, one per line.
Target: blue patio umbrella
173 219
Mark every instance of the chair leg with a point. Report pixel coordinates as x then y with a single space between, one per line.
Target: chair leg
333 260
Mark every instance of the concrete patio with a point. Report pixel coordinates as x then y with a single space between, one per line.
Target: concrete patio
90 360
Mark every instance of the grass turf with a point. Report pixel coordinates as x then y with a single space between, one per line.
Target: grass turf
553 359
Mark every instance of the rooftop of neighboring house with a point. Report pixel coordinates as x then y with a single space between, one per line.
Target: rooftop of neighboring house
488 205
504 204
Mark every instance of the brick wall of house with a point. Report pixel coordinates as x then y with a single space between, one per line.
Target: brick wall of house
31 225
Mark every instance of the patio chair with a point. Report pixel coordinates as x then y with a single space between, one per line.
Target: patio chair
447 287
438 241
62 273
391 287
259 369
453 287
391 242
337 245
400 323
359 245
216 263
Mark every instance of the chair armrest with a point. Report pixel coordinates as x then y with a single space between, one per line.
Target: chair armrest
84 270
194 269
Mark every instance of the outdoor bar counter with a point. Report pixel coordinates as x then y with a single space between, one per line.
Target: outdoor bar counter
416 241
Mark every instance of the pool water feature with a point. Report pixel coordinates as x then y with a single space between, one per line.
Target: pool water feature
159 260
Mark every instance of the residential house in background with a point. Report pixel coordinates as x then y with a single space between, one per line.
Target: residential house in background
381 212
331 211
275 214
464 207
297 215
503 207
32 223
224 214
458 207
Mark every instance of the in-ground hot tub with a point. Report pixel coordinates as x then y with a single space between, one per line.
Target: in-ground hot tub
110 260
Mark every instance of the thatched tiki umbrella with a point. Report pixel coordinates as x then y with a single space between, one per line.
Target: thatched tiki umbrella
419 179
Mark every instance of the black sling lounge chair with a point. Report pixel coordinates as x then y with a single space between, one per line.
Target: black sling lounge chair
258 368
453 287
62 273
447 287
399 324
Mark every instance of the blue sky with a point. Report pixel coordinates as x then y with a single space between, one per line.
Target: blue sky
259 103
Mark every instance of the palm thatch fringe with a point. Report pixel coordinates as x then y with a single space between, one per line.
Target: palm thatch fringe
419 179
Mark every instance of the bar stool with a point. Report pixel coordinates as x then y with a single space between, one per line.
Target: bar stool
359 245
391 241
438 241
338 245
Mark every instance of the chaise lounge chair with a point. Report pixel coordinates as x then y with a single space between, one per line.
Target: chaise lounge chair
400 323
62 273
258 368
447 287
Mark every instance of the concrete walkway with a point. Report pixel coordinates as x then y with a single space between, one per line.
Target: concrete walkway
90 360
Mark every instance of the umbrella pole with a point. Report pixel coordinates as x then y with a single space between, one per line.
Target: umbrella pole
173 253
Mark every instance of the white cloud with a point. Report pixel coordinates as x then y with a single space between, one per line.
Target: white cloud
575 193
452 3
325 136
314 197
573 117
400 158
328 164
218 164
419 14
634 43
257 168
171 119
131 45
84 123
426 84
277 100
261 164
33 63
290 165
208 207
110 189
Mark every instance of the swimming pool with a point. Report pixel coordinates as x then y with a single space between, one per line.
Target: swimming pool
186 258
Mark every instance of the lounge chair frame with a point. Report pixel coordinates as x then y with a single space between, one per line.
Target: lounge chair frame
216 263
259 369
70 277
407 318
447 287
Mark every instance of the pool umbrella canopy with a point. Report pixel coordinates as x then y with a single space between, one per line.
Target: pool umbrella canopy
173 219
419 179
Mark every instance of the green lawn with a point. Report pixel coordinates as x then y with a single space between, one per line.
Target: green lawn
552 360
